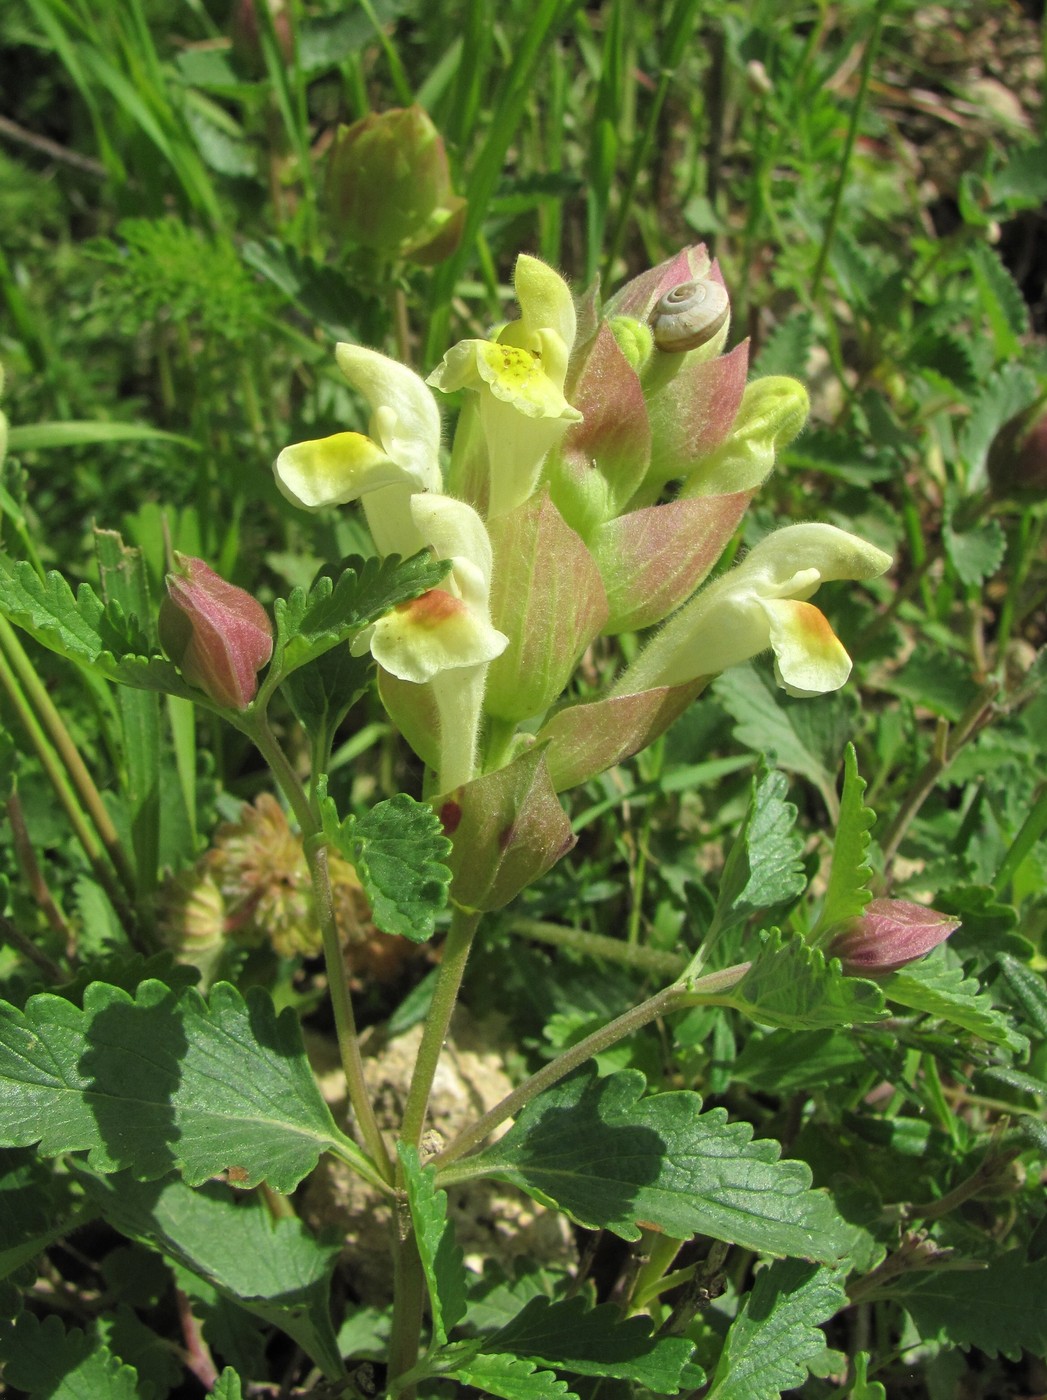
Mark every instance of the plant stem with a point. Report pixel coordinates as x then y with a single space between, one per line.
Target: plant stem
408 1301
871 46
945 750
1032 828
598 945
256 726
456 949
47 715
675 997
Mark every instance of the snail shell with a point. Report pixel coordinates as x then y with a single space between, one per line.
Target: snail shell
690 315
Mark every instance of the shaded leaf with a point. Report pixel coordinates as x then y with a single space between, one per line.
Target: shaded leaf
163 1081
764 865
274 1268
398 849
611 1159
511 1378
776 1337
570 1336
996 1309
46 1360
975 553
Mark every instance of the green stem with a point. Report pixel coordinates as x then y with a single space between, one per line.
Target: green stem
47 714
256 726
676 997
456 950
59 778
598 945
408 1303
871 46
1032 828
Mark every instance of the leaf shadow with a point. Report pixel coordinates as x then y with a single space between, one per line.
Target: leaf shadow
133 1067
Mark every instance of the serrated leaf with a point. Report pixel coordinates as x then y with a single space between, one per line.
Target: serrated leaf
937 680
1028 990
937 988
46 1360
764 866
1005 394
319 289
273 1267
787 347
570 1336
511 1378
48 611
440 1253
1005 307
802 736
322 692
398 849
849 875
977 553
157 1366
611 1159
792 985
332 612
164 1081
996 1309
776 1336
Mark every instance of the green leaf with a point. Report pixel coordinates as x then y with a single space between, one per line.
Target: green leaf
802 736
862 1388
31 437
308 624
976 553
322 692
1005 307
47 610
1028 990
398 849
996 1309
440 1253
156 1364
273 1267
764 866
936 987
787 347
163 1080
776 1335
790 984
510 1377
848 890
570 1336
937 680
228 1386
46 1360
1004 395
611 1159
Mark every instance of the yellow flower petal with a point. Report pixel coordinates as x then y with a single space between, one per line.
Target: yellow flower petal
809 657
332 470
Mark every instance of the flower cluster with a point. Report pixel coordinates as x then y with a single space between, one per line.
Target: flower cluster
602 461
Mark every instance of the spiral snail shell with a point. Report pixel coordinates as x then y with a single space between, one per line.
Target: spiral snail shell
690 315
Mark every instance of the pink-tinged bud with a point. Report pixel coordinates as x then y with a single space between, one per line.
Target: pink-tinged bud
888 934
1017 462
218 635
389 186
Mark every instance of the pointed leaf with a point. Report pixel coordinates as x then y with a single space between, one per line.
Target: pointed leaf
652 560
849 876
571 1336
165 1080
399 850
996 1309
611 1159
776 1335
790 984
47 610
228 1386
440 1253
549 614
275 1268
764 866
587 739
507 828
1028 990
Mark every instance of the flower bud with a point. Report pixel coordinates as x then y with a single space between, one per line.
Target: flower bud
1017 462
218 635
888 934
389 186
635 340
